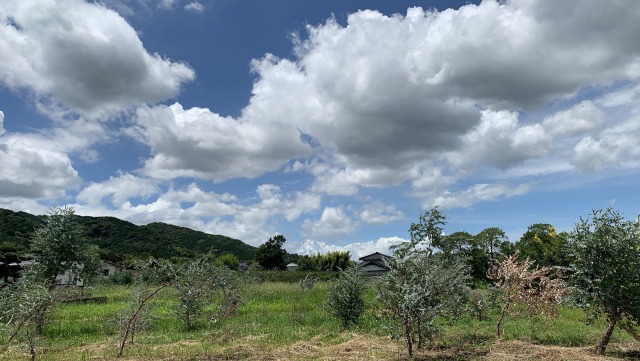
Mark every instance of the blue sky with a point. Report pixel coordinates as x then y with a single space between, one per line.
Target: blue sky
332 122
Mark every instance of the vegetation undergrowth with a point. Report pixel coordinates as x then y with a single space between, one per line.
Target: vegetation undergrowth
275 316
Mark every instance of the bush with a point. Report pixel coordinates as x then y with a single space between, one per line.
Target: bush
124 278
346 300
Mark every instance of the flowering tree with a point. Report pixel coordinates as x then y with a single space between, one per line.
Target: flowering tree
535 290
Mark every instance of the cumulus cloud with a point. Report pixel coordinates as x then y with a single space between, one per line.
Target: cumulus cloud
382 98
38 165
30 171
195 7
333 222
384 94
611 150
500 141
117 190
379 213
199 143
83 57
356 249
196 208
583 118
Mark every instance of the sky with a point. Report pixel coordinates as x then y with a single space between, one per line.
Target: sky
334 123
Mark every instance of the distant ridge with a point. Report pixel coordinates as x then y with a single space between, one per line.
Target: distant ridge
120 240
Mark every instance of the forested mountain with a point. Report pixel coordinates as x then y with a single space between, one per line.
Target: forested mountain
120 240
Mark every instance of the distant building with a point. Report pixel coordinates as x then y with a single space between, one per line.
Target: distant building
110 268
374 264
70 277
64 278
292 267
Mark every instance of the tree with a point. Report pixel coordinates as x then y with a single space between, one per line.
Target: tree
330 261
9 253
60 245
421 286
228 260
21 304
463 245
192 288
544 246
537 290
490 240
57 246
346 300
606 265
456 243
270 255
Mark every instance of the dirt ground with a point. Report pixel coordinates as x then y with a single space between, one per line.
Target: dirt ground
361 347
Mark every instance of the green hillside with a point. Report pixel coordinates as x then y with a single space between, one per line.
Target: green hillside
119 240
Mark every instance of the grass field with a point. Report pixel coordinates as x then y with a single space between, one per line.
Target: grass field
280 321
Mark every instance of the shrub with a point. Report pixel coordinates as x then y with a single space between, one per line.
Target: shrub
308 282
420 286
346 296
536 290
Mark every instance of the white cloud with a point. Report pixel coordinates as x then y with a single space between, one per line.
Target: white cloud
118 190
499 140
478 193
1 123
196 208
30 171
583 118
333 222
356 249
378 213
81 56
384 97
195 7
166 4
38 165
609 151
202 144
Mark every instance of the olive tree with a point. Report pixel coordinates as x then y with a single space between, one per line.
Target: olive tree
346 296
421 286
57 246
606 267
60 244
20 305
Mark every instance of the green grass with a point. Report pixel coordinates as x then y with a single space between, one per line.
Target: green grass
274 316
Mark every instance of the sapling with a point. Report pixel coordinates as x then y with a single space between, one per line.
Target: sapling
346 296
525 287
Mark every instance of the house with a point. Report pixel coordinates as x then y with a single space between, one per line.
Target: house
374 264
292 267
70 277
110 268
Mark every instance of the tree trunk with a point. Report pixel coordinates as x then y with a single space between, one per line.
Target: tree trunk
502 314
420 331
409 338
613 319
